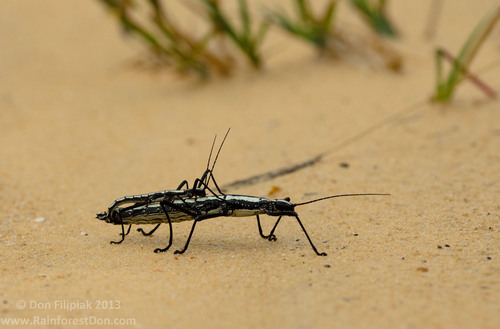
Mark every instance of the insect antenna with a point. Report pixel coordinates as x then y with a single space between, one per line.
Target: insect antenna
338 196
211 150
211 171
199 182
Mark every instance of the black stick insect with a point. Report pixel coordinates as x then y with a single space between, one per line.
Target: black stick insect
200 207
225 205
113 215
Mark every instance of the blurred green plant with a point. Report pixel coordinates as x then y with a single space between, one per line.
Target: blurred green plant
316 30
166 40
320 31
374 13
244 39
148 21
446 86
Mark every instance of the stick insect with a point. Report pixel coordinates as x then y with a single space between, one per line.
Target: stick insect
145 200
225 205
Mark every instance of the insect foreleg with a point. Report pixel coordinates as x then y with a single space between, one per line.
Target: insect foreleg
271 236
308 238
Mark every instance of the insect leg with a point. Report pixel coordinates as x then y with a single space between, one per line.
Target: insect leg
308 238
199 183
184 182
197 219
205 181
169 226
122 234
215 183
171 204
188 211
270 237
148 233
188 239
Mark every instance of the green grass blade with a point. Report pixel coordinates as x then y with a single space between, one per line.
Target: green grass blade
477 38
243 39
315 30
327 21
303 11
375 16
245 19
445 87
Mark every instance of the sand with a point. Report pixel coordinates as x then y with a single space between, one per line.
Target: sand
80 127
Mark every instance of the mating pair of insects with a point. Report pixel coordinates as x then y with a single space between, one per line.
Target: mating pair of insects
193 204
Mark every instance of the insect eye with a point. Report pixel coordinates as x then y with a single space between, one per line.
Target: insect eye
287 199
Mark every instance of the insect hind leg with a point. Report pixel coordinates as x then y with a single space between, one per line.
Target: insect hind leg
122 234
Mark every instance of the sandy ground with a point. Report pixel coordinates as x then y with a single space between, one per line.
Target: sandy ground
79 128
